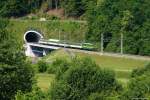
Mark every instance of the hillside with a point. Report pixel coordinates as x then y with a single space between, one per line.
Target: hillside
57 29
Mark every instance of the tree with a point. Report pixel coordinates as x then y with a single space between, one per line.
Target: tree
137 88
15 8
15 73
14 78
83 78
74 8
139 85
116 17
9 48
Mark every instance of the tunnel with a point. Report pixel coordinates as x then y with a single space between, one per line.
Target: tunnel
32 36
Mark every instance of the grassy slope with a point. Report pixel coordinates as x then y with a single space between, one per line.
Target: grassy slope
50 29
44 80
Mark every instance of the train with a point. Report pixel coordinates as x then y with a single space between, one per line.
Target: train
59 43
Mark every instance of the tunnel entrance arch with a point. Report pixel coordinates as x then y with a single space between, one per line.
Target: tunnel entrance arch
33 46
32 36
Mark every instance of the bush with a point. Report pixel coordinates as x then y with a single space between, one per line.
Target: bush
139 87
96 96
36 94
51 70
141 71
14 78
59 91
83 78
58 67
42 66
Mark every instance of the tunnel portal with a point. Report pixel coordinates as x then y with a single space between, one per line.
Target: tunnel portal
32 36
33 47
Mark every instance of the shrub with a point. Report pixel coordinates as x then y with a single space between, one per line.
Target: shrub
36 94
42 66
58 67
51 70
83 78
35 67
60 90
141 71
139 87
14 78
96 96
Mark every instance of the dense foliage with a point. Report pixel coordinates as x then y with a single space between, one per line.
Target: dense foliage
15 8
97 96
83 78
42 66
138 88
14 78
74 8
58 67
15 73
139 85
9 49
115 17
36 94
141 71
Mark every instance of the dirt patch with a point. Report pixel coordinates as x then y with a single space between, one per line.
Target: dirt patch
56 12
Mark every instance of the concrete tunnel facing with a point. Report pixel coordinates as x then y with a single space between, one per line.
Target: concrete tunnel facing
32 39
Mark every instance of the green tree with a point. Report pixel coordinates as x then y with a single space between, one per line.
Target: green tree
128 17
15 73
9 48
74 8
15 8
14 78
139 85
83 78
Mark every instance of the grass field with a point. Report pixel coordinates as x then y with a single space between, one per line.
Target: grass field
122 66
44 80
